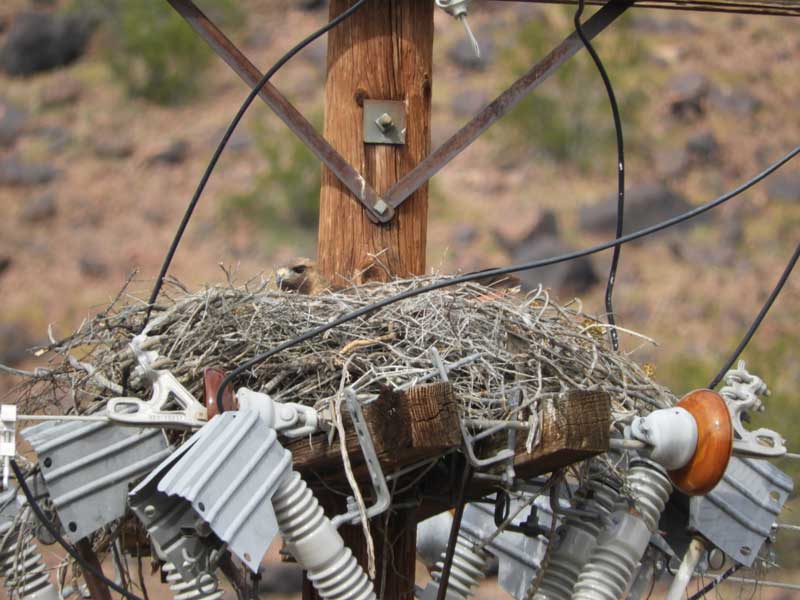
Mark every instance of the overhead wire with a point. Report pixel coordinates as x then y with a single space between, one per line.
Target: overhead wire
176 240
787 271
612 100
497 272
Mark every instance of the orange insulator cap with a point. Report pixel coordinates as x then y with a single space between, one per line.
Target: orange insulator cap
714 443
212 378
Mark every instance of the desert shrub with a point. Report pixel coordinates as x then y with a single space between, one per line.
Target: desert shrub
150 48
569 118
286 190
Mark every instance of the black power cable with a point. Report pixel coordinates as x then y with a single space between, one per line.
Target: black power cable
712 584
612 99
224 142
366 310
759 318
70 549
444 579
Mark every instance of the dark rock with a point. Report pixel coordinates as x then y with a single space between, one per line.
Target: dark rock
112 146
467 102
672 163
703 148
57 138
12 122
462 54
282 579
39 209
317 55
739 102
645 205
93 267
652 23
15 341
174 154
511 234
688 93
39 41
571 277
5 263
240 141
311 4
60 93
784 187
464 235
15 172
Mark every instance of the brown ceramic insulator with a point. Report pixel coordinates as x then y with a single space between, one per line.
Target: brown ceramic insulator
212 378
714 443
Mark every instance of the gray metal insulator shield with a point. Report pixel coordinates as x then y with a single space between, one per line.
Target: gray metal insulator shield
204 587
621 546
579 538
468 569
316 545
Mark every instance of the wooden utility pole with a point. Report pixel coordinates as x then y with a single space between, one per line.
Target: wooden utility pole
383 52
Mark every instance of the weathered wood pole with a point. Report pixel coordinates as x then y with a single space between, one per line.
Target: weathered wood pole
384 52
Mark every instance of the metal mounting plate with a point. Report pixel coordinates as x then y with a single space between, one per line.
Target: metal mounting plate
394 132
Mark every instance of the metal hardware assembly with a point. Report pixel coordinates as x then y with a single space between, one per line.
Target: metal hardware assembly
170 406
459 9
382 497
384 122
290 419
742 394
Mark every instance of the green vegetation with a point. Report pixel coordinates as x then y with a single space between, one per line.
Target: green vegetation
286 191
569 117
150 48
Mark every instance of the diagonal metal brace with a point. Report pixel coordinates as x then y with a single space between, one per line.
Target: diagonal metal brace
462 139
378 210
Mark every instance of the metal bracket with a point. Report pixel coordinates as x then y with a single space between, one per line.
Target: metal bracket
167 391
382 496
743 394
8 437
384 122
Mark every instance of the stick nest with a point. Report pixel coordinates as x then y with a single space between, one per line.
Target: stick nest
493 343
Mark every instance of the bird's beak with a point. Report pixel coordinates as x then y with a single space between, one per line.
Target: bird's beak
280 277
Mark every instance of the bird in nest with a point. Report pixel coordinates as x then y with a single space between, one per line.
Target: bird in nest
301 276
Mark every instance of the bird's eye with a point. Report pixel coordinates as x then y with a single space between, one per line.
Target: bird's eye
299 269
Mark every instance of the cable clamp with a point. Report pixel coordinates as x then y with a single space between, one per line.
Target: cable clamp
8 438
742 393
